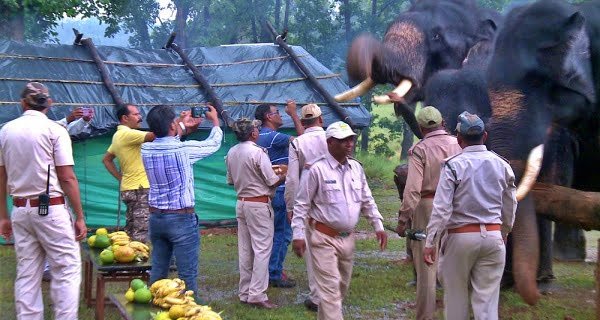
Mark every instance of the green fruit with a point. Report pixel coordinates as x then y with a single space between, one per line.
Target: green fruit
91 241
162 316
142 295
137 284
107 256
101 231
102 242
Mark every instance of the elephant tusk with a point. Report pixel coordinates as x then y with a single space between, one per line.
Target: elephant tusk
532 169
357 91
401 90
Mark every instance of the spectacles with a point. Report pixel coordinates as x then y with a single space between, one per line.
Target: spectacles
275 112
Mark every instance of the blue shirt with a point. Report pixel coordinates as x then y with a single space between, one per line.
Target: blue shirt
168 164
276 144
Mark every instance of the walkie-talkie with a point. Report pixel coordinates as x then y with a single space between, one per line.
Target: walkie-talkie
44 199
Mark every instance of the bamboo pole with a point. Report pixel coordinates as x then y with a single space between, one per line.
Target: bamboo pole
212 96
304 70
104 73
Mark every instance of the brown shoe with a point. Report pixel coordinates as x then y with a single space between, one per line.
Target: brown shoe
264 304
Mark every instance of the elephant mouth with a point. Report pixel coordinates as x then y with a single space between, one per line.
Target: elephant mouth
531 171
362 88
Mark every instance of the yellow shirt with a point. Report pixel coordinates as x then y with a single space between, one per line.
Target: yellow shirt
126 146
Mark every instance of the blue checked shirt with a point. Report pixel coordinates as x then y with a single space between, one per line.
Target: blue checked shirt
168 163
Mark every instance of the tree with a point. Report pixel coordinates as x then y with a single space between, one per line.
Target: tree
134 16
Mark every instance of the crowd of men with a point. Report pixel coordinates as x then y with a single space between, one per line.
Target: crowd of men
305 190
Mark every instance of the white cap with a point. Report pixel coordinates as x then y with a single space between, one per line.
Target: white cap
339 130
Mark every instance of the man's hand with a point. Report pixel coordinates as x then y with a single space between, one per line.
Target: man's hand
212 115
75 114
394 97
401 228
382 239
299 247
290 215
429 255
80 229
5 229
290 107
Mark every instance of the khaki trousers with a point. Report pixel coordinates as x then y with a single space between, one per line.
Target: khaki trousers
39 238
310 273
472 261
255 241
332 259
426 275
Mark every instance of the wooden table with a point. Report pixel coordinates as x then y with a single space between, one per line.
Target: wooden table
133 311
117 272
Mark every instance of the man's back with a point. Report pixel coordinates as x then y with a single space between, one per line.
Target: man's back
432 151
29 144
250 176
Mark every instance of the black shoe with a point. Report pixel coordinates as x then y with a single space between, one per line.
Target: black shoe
46 276
412 283
311 305
289 283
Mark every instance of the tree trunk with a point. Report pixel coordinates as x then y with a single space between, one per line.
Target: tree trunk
373 15
277 14
16 23
347 23
183 11
142 31
286 16
566 205
206 17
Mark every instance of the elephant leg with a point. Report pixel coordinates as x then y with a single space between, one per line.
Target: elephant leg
569 243
525 242
545 272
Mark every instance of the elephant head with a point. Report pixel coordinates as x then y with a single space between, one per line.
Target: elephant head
432 35
542 88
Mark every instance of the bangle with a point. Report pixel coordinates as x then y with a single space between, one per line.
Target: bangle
182 126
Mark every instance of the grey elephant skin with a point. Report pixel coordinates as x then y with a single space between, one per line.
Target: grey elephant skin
543 81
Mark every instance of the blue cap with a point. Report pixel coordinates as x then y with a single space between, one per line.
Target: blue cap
469 124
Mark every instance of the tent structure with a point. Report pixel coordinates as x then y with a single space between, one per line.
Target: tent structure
242 76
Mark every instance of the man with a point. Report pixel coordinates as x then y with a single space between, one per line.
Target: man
304 150
168 162
249 171
126 145
277 144
474 208
331 195
424 165
78 121
36 163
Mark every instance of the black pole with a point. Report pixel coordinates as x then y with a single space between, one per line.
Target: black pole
212 96
328 98
78 37
104 73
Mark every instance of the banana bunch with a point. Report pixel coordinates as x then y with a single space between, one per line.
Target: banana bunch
142 251
200 313
169 292
120 238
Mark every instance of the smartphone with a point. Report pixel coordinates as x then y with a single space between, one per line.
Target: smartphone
198 112
87 111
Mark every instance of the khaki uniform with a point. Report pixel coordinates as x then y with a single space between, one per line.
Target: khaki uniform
28 145
249 170
333 195
304 150
476 194
424 163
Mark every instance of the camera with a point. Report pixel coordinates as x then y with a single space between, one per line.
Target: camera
198 112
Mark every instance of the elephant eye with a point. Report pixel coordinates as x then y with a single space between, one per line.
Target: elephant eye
436 37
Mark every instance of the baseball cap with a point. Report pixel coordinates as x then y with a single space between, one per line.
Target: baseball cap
429 117
244 125
469 124
339 130
36 95
310 111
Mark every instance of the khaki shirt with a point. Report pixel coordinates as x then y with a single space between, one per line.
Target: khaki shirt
126 146
249 170
28 145
334 194
424 164
476 186
303 151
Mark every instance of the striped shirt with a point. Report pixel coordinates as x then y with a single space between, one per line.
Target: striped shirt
277 144
168 163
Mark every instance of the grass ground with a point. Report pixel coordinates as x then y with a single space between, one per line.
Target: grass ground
377 290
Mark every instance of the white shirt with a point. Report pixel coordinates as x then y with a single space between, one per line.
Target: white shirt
75 127
28 145
303 151
482 191
334 194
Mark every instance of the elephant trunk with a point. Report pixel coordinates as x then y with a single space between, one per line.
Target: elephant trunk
526 251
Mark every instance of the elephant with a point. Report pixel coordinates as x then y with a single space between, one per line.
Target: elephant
431 35
543 79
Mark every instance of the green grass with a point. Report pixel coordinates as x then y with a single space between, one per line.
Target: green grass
377 290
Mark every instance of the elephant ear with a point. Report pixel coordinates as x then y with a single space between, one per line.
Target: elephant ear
572 48
486 30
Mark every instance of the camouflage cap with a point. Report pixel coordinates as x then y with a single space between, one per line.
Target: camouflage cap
244 125
429 117
36 94
469 124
